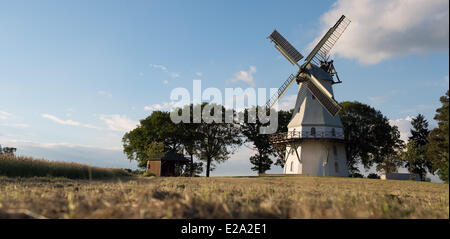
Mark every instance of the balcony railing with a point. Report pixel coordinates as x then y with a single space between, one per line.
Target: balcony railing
293 135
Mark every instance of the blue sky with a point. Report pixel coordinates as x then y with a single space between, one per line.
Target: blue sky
76 75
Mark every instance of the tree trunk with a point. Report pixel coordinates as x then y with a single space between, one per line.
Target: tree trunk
260 165
192 165
208 166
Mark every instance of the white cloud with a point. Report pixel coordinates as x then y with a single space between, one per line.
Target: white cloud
245 76
165 106
119 123
68 122
166 82
287 102
383 29
164 69
404 126
104 93
5 115
200 74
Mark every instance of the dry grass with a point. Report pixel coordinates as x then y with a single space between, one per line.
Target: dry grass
234 197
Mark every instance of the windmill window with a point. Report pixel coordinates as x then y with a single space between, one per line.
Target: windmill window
292 166
313 131
336 167
333 132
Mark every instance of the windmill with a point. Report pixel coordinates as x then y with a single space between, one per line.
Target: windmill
314 143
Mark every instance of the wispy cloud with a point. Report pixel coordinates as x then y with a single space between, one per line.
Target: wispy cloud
245 76
119 123
104 93
381 99
384 29
5 115
15 125
165 106
68 122
437 83
199 74
174 75
419 108
378 100
164 69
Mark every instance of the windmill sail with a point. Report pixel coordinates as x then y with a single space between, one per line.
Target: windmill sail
324 46
274 98
322 95
320 51
285 48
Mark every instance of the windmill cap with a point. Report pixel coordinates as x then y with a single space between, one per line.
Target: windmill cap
318 72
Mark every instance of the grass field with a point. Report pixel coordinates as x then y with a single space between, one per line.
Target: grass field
18 166
233 197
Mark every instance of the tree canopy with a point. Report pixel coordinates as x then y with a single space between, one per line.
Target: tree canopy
437 149
251 129
210 141
155 128
370 139
7 150
218 139
416 160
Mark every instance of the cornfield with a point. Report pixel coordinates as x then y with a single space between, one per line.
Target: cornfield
18 166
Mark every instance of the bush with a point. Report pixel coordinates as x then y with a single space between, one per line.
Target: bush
18 166
356 175
147 174
135 172
373 176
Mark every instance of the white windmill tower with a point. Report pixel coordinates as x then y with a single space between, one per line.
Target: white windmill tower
314 143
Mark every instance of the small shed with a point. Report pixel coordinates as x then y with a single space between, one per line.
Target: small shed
170 165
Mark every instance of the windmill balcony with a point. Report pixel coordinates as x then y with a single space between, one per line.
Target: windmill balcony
305 134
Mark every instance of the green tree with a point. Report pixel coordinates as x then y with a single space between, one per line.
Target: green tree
218 139
7 150
155 150
157 127
250 127
390 163
413 157
420 131
190 139
373 176
392 159
437 151
419 136
284 117
370 139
